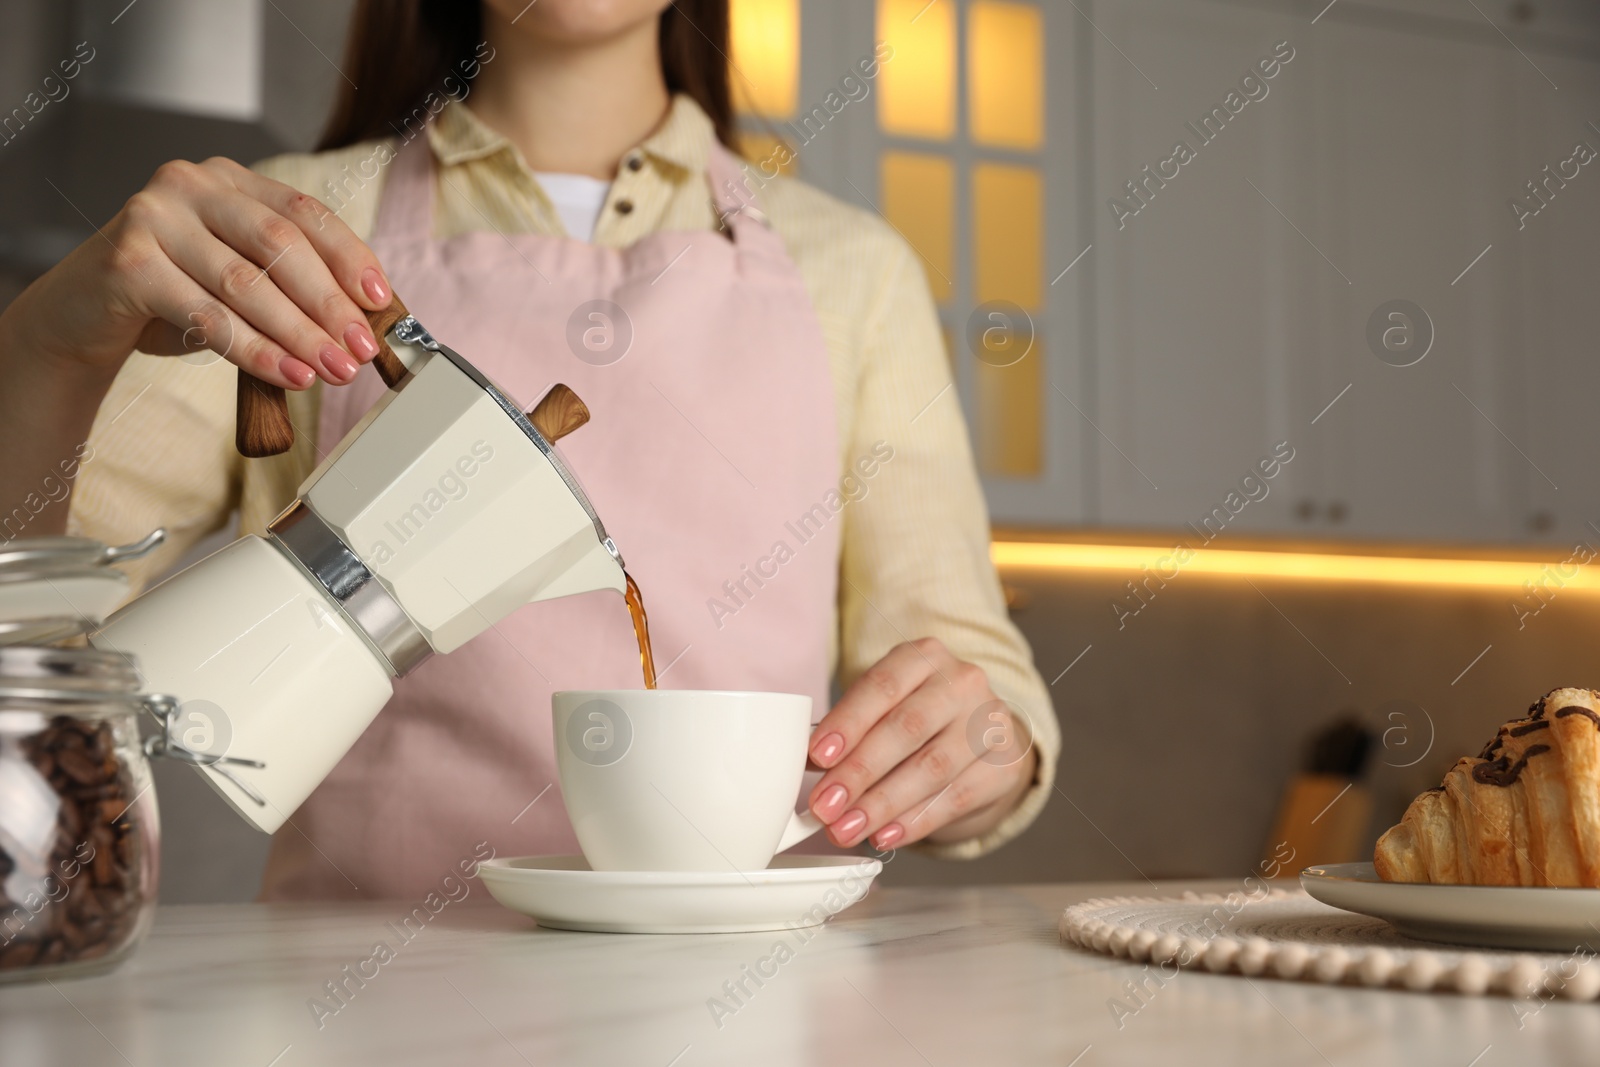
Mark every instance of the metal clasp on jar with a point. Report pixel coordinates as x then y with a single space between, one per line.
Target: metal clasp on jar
169 745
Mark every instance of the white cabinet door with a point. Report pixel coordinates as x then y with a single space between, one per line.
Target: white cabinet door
1553 264
1409 157
1235 302
1199 280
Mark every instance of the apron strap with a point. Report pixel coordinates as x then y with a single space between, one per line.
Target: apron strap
405 210
735 203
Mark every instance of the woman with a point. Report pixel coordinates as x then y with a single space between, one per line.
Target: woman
783 354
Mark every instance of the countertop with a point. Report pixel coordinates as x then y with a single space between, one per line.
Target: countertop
908 976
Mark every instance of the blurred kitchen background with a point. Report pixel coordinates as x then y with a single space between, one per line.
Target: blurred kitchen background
1373 272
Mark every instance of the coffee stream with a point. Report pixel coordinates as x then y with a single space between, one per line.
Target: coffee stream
641 630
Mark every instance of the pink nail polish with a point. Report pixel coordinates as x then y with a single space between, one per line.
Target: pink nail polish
850 825
827 750
359 340
297 372
832 799
338 364
373 285
890 834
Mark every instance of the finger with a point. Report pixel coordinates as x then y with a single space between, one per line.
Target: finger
282 249
251 294
882 686
190 319
976 787
352 263
899 733
922 774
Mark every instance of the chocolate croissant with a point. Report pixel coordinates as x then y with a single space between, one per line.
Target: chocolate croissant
1525 812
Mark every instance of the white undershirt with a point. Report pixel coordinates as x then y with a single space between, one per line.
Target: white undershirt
578 199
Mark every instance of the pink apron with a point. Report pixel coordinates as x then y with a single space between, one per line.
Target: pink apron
709 457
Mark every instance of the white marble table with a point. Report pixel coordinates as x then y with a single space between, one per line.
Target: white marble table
909 976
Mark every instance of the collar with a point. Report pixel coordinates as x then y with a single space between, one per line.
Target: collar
683 140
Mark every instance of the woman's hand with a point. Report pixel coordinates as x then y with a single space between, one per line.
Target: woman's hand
919 746
212 256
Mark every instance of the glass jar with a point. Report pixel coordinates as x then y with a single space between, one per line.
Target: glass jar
79 831
53 588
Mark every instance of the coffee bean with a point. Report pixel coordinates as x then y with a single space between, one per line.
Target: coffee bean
104 889
18 954
79 767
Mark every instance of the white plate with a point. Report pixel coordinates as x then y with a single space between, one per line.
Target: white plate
562 892
1488 915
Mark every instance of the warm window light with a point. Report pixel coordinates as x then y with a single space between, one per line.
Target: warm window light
917 84
1008 234
919 200
1005 74
1009 434
765 35
772 155
1309 566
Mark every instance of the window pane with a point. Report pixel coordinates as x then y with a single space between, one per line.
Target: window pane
917 83
770 155
1007 234
919 201
1005 74
1010 428
765 35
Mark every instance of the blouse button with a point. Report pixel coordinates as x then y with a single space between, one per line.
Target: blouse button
624 206
635 163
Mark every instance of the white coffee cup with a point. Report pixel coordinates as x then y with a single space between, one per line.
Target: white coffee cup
682 780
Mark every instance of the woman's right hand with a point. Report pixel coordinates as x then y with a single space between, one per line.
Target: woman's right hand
213 256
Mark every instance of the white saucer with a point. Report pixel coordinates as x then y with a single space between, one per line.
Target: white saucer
1489 915
563 893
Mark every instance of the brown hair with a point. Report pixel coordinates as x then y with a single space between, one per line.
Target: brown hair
400 51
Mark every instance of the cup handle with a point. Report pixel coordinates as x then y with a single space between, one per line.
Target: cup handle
802 824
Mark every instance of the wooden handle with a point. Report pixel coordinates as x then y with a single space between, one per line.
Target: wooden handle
263 412
263 427
559 413
388 365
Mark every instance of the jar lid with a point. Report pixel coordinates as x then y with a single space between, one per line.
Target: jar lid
35 557
53 588
70 675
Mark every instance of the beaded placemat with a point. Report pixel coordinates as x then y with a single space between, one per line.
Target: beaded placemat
1285 934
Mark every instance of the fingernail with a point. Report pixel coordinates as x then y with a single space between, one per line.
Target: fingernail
297 372
832 799
889 835
339 365
359 340
828 749
850 825
373 285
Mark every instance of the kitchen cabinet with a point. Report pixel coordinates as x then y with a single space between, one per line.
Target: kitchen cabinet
1377 169
1408 152
1552 264
1224 306
1198 280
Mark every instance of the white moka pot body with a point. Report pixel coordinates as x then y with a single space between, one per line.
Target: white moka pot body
449 501
265 666
445 505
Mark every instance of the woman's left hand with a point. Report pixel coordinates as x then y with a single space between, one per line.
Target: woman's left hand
919 746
